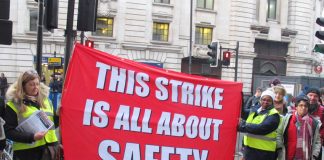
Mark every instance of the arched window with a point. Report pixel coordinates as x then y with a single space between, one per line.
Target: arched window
268 69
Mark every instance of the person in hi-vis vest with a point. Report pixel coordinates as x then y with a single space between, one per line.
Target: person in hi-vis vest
260 129
24 97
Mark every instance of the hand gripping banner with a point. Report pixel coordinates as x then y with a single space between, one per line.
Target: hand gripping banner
115 108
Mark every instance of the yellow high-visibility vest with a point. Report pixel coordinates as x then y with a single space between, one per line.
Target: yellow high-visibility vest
50 136
263 142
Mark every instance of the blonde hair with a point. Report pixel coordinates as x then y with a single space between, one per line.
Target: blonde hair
279 89
24 78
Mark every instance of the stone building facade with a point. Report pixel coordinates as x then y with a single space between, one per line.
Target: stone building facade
276 37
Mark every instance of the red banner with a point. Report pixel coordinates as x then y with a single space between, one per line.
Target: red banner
115 108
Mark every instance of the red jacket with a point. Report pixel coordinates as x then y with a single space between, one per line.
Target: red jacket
291 138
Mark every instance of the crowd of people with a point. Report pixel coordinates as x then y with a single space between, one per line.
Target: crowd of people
277 126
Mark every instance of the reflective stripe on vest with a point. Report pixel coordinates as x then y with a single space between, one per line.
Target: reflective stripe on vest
263 142
260 137
50 136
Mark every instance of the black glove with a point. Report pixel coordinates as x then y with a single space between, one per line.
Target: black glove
242 126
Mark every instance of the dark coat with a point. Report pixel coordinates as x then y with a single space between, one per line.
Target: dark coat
269 124
56 86
2 110
3 83
2 106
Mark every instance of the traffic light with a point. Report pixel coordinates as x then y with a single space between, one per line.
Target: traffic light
51 14
5 23
226 58
87 14
89 43
320 34
5 32
4 9
319 48
213 54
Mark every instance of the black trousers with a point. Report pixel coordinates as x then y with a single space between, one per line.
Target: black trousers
29 154
2 92
256 154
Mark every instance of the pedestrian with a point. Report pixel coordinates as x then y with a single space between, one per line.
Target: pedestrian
59 84
43 78
290 102
26 96
303 90
274 82
252 101
260 129
59 91
53 84
322 95
3 84
2 107
279 102
298 135
2 134
316 110
56 90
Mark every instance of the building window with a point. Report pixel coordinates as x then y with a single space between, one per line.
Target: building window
104 26
205 4
160 31
272 9
162 1
203 35
33 20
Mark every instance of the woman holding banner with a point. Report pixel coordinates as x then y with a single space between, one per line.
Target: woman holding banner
25 97
260 128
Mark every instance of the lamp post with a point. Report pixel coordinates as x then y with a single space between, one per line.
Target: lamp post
190 39
40 37
69 34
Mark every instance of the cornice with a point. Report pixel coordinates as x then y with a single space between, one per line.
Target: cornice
33 39
261 29
163 5
143 47
206 11
299 60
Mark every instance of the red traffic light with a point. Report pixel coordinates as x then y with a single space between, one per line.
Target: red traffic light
227 54
89 43
226 58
